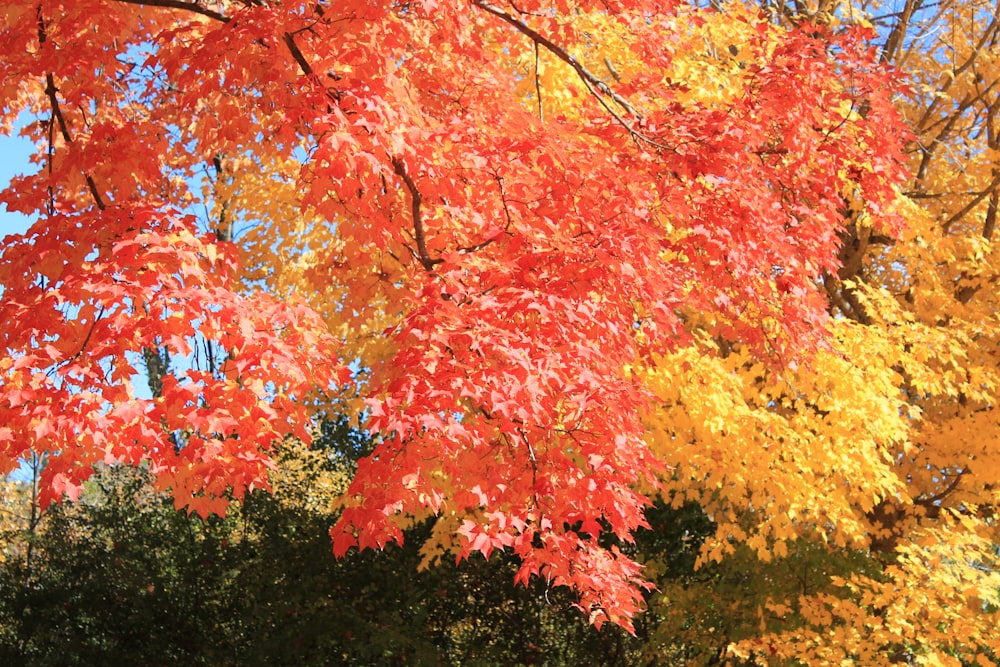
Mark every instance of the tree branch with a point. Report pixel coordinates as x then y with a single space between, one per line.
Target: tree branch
477 247
293 48
896 35
560 53
50 92
180 4
957 70
538 85
990 189
595 85
418 226
941 495
844 299
332 93
991 217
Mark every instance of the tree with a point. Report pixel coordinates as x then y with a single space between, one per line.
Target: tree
507 256
880 453
120 576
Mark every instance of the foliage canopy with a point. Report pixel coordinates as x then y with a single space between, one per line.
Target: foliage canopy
579 256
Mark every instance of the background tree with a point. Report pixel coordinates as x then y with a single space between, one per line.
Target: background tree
905 398
121 576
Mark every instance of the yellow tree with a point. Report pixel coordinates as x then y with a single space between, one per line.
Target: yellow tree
886 445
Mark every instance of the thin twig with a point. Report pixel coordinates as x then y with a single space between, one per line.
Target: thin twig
538 85
50 91
478 246
83 345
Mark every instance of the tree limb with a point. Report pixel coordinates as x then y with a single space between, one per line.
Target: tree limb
595 84
180 4
930 501
990 189
50 92
293 48
418 226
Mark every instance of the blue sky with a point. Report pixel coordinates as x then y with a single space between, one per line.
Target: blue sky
14 154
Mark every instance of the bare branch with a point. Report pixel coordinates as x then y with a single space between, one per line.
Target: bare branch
896 35
988 34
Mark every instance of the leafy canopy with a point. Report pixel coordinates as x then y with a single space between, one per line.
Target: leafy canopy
515 222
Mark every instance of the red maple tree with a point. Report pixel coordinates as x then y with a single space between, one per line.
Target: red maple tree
528 258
